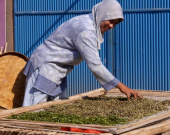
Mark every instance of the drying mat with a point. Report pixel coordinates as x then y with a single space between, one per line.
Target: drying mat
12 79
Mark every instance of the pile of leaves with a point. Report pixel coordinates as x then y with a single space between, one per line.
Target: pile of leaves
68 118
101 110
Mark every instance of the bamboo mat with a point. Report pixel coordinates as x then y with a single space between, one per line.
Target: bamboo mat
12 79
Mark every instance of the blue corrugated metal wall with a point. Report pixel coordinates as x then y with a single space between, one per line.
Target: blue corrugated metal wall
35 20
142 45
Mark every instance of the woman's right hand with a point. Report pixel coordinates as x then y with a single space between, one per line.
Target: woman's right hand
128 92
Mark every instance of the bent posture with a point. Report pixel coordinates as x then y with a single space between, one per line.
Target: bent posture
72 42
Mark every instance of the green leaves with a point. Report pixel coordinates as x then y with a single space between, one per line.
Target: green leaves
69 118
100 110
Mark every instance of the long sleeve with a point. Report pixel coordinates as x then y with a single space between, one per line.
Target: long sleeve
87 46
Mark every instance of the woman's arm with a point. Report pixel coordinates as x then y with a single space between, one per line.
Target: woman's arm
87 46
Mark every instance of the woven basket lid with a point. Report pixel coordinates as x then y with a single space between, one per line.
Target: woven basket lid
12 79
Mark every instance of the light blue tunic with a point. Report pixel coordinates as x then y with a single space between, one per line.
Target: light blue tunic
70 44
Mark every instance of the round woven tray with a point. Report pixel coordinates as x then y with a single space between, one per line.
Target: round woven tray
12 79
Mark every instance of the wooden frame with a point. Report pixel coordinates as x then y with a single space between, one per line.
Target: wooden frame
144 125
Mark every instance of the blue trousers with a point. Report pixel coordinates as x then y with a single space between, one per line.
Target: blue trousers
33 96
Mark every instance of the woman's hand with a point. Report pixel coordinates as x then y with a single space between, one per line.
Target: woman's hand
128 92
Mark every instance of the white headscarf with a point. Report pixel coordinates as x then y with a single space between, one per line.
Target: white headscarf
105 10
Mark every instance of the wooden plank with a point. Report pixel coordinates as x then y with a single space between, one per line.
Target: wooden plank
151 130
111 129
24 127
144 92
50 125
151 120
4 120
7 113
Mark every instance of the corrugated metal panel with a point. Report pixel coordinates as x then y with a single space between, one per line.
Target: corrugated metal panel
141 53
35 20
2 24
142 42
144 4
53 5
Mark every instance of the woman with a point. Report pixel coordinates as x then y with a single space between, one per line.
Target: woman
75 40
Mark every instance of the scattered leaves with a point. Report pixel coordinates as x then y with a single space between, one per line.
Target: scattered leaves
101 110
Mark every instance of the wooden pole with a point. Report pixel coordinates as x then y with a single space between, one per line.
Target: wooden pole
1 50
5 48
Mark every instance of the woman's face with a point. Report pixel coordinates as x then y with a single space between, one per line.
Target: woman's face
106 25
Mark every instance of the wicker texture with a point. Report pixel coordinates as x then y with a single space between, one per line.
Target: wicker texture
12 79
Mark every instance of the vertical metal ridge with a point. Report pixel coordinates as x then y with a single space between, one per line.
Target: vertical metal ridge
144 52
144 4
